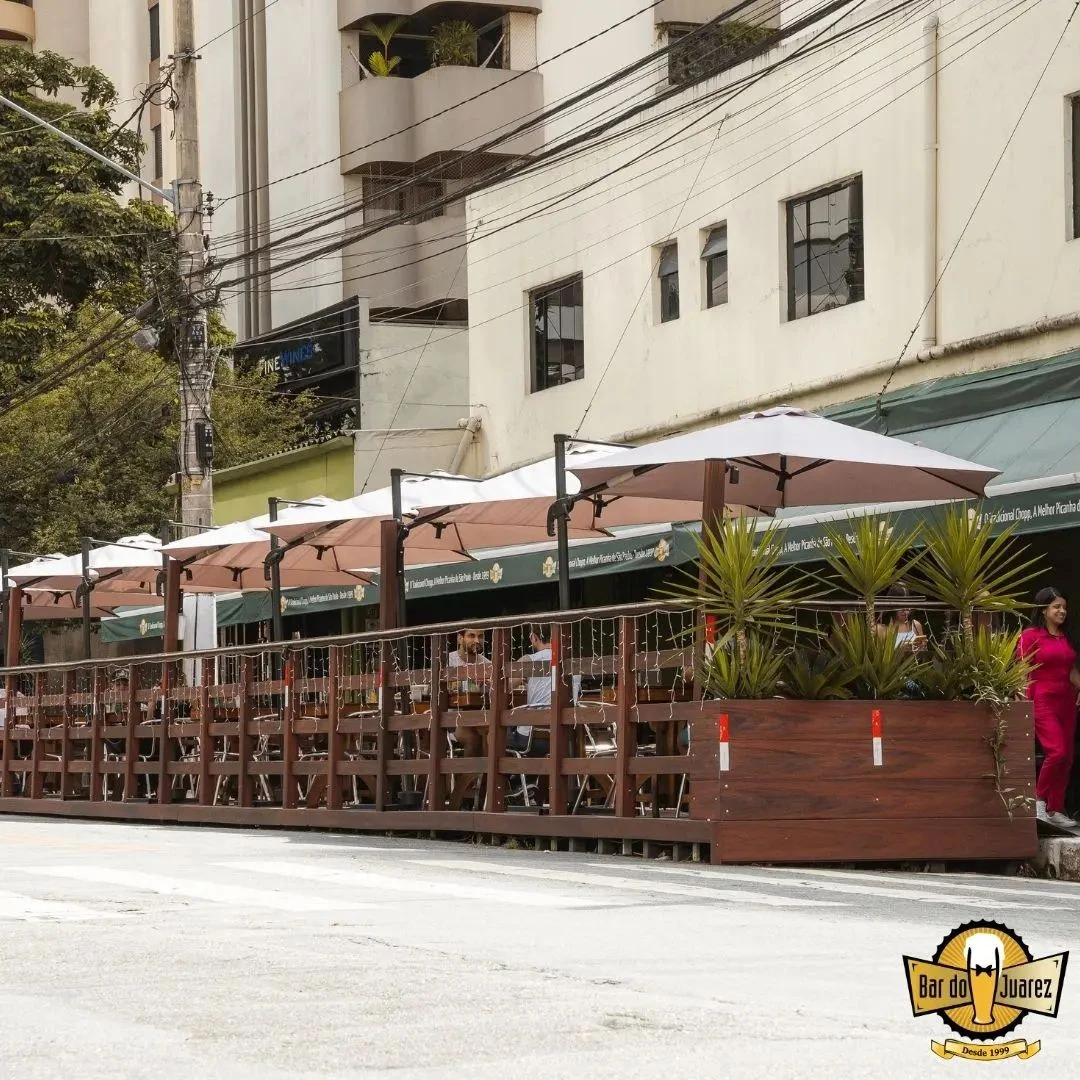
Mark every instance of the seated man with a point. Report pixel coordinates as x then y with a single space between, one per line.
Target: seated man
474 675
538 693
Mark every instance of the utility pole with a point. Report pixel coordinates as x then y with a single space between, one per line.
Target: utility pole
196 364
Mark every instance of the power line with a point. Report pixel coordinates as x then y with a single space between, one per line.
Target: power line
236 26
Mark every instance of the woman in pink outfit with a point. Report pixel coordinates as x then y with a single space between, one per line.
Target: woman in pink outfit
1053 688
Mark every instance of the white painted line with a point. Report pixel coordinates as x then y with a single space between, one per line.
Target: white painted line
378 885
854 889
29 909
218 893
1037 889
626 884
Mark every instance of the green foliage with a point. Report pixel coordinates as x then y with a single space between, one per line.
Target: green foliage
93 457
985 667
454 42
714 48
742 585
383 64
753 675
814 677
64 236
872 562
969 568
871 664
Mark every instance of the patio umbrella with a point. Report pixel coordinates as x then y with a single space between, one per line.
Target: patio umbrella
786 457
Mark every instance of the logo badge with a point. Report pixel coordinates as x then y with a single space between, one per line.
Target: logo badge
549 567
983 982
496 574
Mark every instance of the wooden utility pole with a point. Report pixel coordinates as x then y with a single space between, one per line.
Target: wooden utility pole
196 363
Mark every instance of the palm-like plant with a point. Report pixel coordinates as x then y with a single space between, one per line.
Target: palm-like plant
872 561
742 586
985 667
872 665
383 64
454 42
753 675
968 568
810 678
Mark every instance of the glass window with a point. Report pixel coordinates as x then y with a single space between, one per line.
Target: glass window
1075 109
155 34
558 333
714 255
825 249
668 273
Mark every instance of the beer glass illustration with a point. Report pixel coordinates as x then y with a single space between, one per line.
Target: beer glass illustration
985 954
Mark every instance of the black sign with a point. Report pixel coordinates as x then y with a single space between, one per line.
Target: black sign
320 355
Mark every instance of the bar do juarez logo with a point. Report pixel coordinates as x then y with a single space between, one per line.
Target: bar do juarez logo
982 982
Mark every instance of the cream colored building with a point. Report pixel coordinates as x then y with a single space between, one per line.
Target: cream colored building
862 161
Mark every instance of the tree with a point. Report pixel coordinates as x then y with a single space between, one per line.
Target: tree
94 456
65 238
88 420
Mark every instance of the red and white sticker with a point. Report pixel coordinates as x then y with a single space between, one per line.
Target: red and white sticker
723 746
710 629
382 683
554 664
875 732
288 681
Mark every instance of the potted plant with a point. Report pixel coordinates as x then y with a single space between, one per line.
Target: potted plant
454 43
382 64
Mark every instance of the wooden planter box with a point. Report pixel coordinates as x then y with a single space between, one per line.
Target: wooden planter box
801 783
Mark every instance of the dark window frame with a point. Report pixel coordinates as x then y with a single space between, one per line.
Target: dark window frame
397 196
853 277
159 151
712 264
154 15
669 283
544 372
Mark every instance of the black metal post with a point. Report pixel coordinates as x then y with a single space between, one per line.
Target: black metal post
87 544
561 522
399 517
5 595
276 620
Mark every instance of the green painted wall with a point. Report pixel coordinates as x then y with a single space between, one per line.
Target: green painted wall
242 492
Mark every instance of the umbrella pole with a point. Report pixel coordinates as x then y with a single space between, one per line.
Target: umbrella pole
86 544
4 594
276 622
561 524
13 640
389 572
171 632
399 557
713 495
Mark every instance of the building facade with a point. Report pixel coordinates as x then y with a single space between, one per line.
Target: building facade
849 212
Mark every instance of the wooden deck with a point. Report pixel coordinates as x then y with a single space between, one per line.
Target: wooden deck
386 733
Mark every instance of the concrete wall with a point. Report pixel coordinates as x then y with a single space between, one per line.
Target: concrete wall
326 469
428 450
857 107
414 376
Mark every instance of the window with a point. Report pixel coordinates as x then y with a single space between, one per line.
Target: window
394 196
825 249
159 153
1074 109
714 256
696 52
558 334
155 34
668 273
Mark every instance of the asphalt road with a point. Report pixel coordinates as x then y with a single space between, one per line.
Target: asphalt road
142 952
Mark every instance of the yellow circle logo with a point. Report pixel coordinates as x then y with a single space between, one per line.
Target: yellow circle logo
982 982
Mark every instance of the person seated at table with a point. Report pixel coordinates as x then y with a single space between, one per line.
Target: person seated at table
469 655
538 692
910 635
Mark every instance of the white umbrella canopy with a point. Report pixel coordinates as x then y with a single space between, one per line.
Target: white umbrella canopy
788 457
131 564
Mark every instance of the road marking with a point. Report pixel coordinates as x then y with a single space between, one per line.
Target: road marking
853 888
218 893
29 909
626 884
1037 891
381 883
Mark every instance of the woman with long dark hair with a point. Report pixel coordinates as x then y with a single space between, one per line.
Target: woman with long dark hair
1052 688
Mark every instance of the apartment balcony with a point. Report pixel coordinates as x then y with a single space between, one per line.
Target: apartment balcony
393 122
701 11
384 266
17 21
353 12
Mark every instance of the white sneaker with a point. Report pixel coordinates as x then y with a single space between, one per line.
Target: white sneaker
1040 809
1062 821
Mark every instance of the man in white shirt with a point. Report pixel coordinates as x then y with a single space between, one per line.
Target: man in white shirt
538 688
474 676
